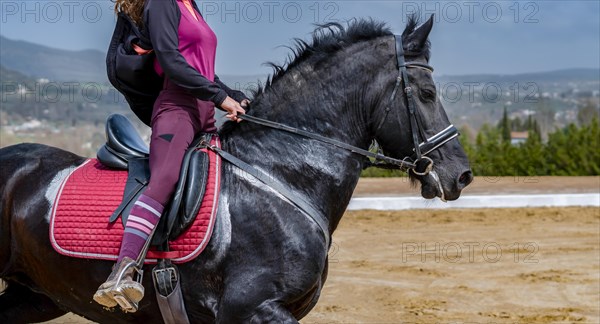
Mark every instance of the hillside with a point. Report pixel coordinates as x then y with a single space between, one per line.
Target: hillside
12 76
554 98
40 61
563 75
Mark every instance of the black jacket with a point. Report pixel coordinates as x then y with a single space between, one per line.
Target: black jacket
134 76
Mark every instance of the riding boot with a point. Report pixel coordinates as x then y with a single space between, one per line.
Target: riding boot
120 287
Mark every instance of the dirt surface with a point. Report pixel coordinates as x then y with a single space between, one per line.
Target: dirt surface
476 266
522 265
484 185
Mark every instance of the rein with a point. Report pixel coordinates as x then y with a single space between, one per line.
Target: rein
401 164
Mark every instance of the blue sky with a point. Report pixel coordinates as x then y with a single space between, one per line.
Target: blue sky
469 36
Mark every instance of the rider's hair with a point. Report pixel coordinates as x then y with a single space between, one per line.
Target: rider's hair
133 8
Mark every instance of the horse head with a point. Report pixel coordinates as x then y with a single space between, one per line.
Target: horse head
444 171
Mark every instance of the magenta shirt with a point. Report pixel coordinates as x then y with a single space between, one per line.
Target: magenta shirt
197 43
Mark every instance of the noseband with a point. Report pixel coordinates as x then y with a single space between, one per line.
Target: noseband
428 145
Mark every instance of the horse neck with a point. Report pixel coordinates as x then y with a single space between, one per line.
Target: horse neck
327 101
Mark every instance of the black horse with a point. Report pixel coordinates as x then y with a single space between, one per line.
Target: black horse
266 261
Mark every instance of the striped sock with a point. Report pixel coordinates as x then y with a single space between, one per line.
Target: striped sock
144 215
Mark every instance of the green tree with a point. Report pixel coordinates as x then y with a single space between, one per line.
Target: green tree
532 160
563 151
505 126
536 129
533 128
588 148
494 156
465 139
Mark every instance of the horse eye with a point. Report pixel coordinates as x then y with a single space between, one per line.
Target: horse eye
428 95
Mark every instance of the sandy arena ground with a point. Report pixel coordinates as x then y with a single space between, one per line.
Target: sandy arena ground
476 266
519 265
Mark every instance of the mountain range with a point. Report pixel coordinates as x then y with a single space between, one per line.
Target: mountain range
38 61
25 63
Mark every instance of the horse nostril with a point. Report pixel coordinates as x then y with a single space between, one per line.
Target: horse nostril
465 179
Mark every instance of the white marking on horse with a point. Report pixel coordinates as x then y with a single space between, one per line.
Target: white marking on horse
223 228
53 188
258 184
436 179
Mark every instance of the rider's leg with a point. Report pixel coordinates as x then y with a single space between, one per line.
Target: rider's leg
172 132
142 219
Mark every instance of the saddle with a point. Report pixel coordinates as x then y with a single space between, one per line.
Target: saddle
125 150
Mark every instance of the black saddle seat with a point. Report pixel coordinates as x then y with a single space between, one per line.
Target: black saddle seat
123 142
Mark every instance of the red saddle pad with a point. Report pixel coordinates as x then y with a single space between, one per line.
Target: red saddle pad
90 194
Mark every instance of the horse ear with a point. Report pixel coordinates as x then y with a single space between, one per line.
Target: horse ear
414 39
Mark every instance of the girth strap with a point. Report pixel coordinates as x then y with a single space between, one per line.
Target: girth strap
316 216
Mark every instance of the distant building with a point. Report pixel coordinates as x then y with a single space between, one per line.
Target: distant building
517 138
522 114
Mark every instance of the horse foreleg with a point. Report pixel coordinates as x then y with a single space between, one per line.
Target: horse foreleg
272 312
242 311
18 304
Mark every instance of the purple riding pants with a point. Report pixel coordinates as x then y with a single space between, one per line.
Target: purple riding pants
177 117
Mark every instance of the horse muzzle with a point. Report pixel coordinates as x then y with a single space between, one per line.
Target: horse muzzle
433 185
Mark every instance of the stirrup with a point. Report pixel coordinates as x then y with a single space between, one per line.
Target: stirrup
125 303
119 295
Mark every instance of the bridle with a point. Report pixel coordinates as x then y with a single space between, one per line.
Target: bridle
421 149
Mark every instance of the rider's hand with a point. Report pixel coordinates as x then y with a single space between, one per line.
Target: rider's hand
244 103
233 108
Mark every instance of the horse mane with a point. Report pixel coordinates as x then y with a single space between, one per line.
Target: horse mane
327 39
331 37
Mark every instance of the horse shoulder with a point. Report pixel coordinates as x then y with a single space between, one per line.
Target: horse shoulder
27 176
